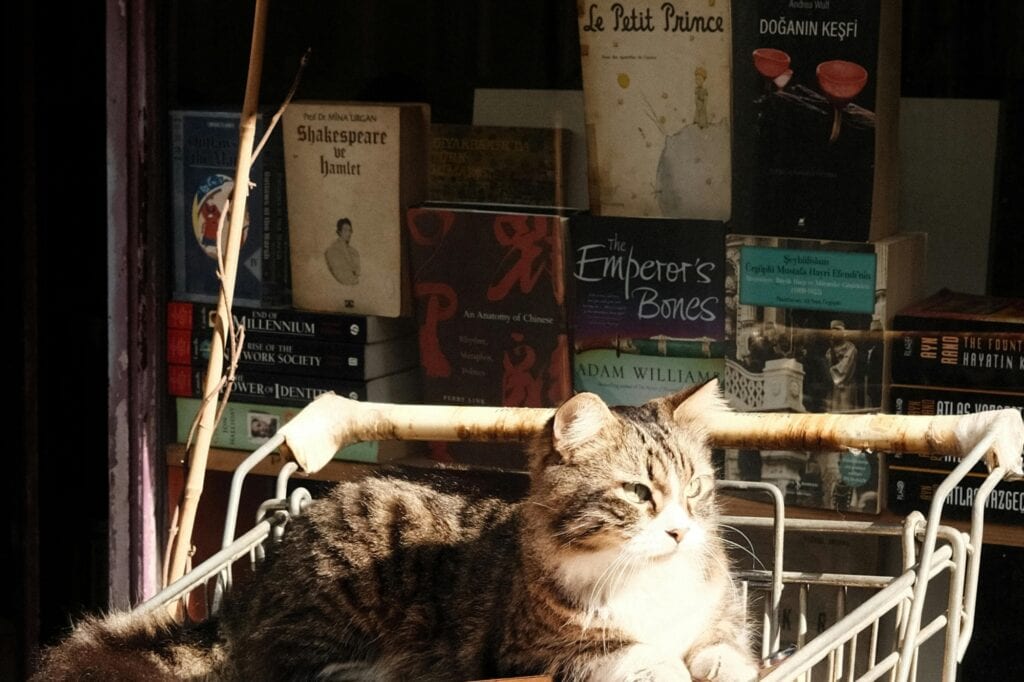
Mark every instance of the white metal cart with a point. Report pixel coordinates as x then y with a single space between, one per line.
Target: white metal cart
879 638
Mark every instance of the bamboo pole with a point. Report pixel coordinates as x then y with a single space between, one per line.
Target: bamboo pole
181 544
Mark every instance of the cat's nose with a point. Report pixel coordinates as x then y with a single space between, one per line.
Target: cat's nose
676 534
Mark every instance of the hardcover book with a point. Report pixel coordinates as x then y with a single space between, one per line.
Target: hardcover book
958 339
500 165
805 330
816 116
187 381
490 291
204 156
936 400
352 169
248 425
648 314
287 325
657 106
351 361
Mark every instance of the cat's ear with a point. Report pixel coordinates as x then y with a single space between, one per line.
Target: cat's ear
578 420
697 403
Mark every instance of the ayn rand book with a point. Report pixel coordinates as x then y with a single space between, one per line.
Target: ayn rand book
352 169
204 155
815 105
958 339
287 324
648 312
657 107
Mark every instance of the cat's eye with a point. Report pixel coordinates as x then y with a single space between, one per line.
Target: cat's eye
697 486
636 492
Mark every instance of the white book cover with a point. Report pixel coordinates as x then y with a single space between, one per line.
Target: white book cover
351 171
657 103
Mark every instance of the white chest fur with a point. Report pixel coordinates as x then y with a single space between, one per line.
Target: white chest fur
666 603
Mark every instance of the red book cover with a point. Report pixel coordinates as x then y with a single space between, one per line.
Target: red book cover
489 290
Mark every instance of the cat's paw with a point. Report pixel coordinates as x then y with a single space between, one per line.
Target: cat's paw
723 663
640 663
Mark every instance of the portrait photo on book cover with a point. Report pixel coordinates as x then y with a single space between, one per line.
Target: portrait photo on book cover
262 426
341 257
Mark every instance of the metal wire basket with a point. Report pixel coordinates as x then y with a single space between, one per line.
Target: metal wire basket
880 635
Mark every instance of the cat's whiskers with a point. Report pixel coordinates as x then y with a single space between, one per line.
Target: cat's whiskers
747 549
757 563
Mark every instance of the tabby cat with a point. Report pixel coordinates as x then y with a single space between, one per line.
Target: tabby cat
609 569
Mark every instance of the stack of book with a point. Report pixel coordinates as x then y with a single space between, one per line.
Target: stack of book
955 353
781 129
287 359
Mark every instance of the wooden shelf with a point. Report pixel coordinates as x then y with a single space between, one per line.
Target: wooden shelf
515 482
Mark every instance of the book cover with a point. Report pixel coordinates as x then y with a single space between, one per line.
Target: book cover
648 311
490 300
657 106
352 169
204 156
503 165
187 381
806 319
816 116
351 361
935 400
287 324
248 425
805 330
958 339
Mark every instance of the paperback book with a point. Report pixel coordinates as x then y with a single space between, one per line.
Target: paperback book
657 107
323 359
187 381
490 290
249 425
499 165
289 325
805 329
648 313
204 156
816 117
352 169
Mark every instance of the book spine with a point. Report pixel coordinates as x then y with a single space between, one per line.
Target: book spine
929 401
279 323
247 426
277 278
913 489
991 360
274 389
270 354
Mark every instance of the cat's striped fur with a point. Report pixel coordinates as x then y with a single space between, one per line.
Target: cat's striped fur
610 569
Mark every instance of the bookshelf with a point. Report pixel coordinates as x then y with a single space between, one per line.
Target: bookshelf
146 57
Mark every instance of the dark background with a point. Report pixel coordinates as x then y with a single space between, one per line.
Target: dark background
54 492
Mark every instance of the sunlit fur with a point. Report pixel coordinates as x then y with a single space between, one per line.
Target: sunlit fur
611 568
